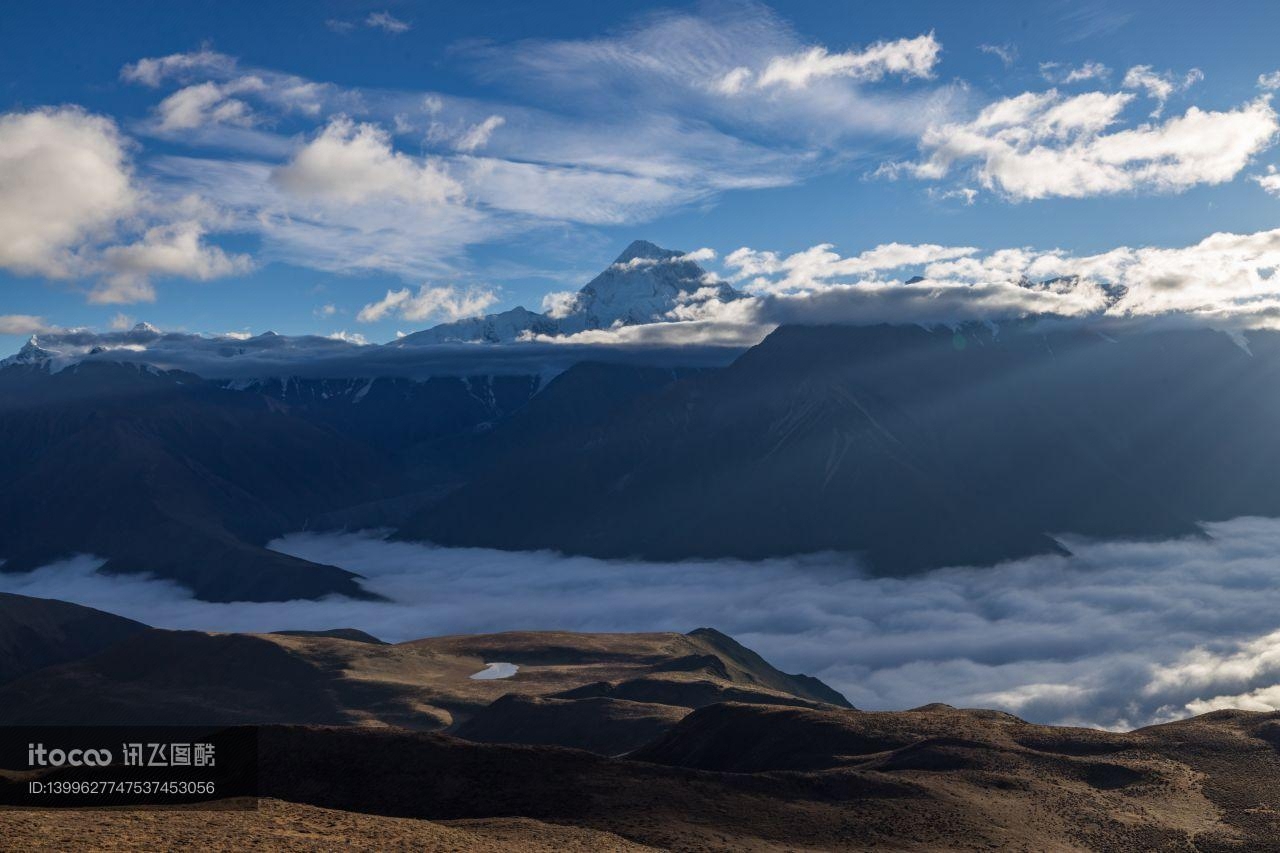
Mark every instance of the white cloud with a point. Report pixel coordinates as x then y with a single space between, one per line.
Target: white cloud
908 58
64 179
351 162
349 337
70 206
208 103
400 230
154 71
1159 86
1006 53
175 249
215 93
121 321
1269 82
477 136
569 194
815 266
1040 145
327 310
966 195
733 81
23 324
346 197
1057 72
1121 634
560 304
1225 281
386 22
435 303
699 256
1270 181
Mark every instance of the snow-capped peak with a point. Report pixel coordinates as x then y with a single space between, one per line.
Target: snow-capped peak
643 285
31 353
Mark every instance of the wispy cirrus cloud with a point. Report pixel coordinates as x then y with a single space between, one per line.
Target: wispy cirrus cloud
1066 74
343 192
1007 53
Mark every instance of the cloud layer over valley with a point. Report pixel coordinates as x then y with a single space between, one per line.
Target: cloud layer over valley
1120 634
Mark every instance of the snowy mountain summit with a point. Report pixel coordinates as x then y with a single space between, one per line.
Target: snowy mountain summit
31 353
642 286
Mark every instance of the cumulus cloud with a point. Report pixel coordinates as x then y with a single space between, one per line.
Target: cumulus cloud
560 304
65 178
176 249
437 303
1044 144
215 92
773 273
349 337
23 324
352 162
1118 634
70 206
208 103
1270 181
1159 85
1269 82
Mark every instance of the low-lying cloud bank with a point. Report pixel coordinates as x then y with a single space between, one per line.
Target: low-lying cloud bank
244 357
1225 281
1120 634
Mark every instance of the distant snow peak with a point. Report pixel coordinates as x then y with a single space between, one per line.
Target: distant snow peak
31 353
643 285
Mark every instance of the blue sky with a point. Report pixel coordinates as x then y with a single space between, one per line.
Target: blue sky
288 164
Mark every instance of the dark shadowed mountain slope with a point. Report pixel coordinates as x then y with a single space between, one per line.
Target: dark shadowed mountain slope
40 632
599 724
942 779
939 779
396 414
161 472
916 448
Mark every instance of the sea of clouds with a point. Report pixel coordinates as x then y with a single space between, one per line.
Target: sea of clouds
1119 634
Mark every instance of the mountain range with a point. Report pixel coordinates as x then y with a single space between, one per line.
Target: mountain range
905 447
